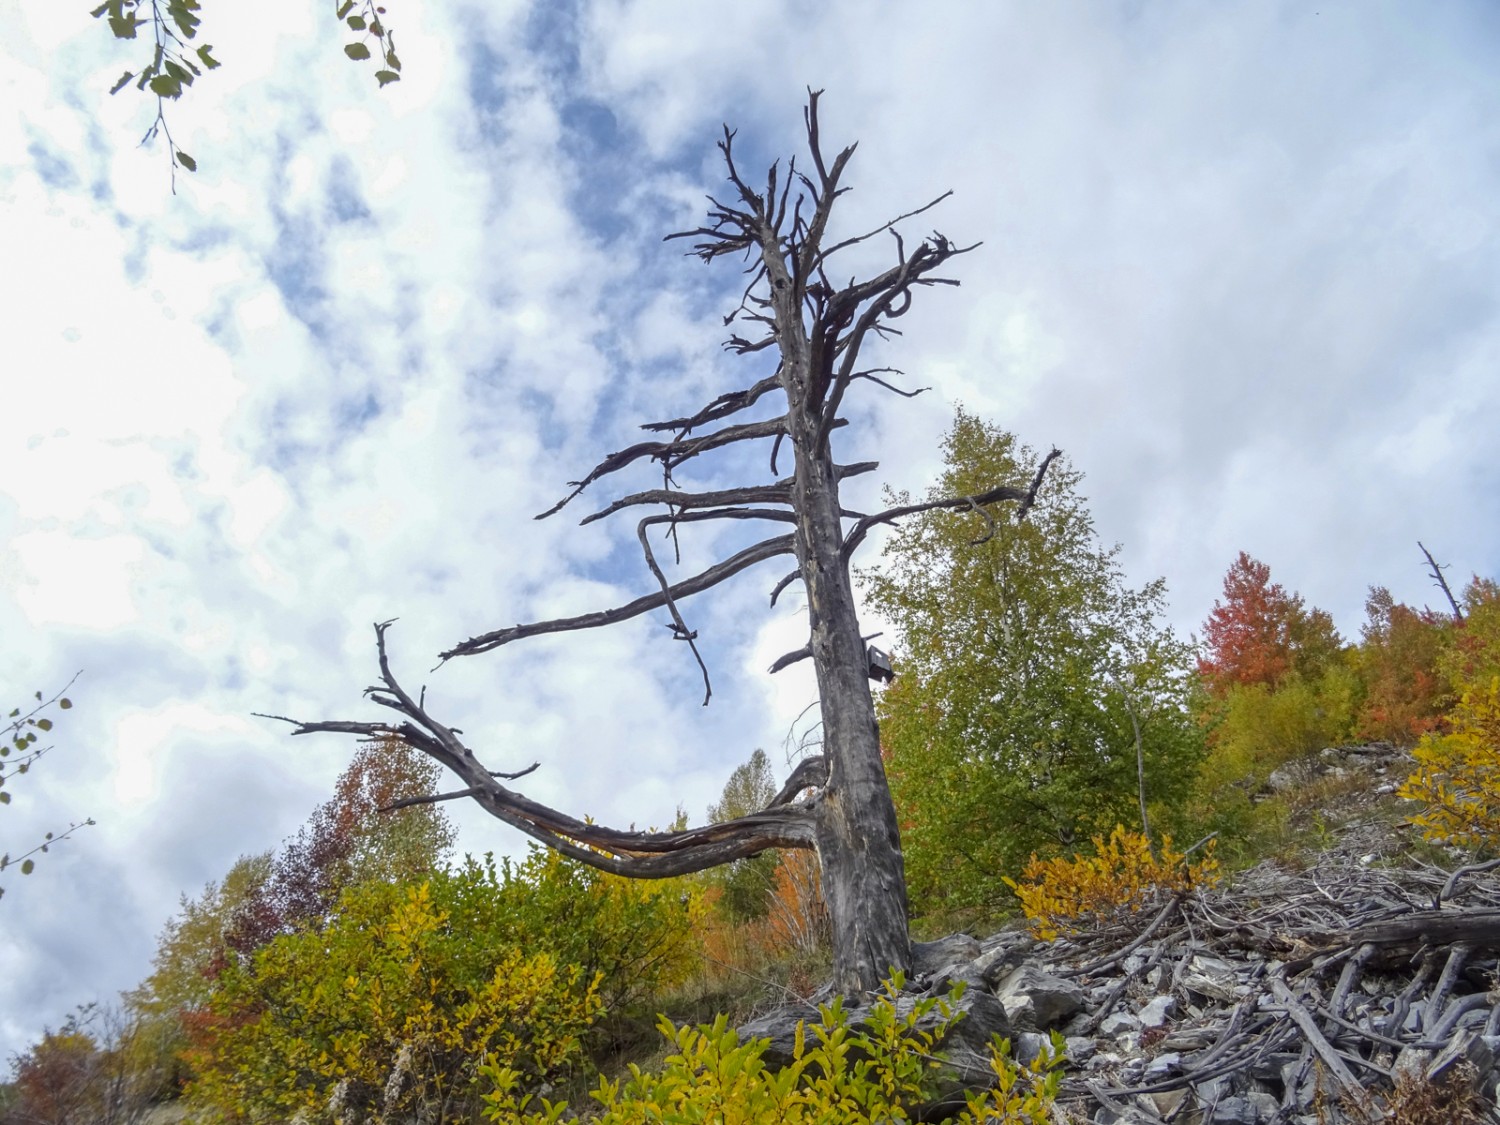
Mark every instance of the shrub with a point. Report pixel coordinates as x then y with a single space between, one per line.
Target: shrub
1458 774
1121 876
880 1072
383 1012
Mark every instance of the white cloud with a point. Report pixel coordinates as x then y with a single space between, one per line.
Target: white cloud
1238 261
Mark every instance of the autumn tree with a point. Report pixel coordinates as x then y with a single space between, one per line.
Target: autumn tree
1025 667
1259 633
1406 693
378 824
1457 778
817 329
91 1071
348 840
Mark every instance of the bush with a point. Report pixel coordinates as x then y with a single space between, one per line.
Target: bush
1458 775
385 1011
1122 876
881 1072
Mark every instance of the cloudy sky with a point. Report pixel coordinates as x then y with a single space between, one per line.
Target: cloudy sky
1241 261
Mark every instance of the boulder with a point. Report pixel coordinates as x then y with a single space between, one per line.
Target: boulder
1036 1000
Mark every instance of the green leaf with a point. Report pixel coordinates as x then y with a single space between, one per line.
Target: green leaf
345 8
28 866
208 61
100 10
356 23
386 77
390 56
180 73
123 26
4 797
165 86
357 51
15 712
44 724
187 161
376 29
65 703
120 85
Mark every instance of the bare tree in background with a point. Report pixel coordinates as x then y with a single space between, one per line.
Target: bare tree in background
838 803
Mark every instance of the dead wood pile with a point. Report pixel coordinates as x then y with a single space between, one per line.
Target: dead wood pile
1329 995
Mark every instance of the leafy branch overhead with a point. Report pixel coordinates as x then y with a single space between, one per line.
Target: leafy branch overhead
174 63
18 753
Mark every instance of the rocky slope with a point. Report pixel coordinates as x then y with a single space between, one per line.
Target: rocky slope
1360 986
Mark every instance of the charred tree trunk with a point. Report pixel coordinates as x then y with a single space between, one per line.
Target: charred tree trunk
818 330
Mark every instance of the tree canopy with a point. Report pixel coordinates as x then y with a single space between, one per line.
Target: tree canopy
1024 665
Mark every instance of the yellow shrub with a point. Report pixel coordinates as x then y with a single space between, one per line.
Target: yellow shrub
1458 774
880 1072
1120 877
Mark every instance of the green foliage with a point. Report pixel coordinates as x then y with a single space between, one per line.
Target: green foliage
173 63
19 752
1022 655
635 935
388 1010
745 886
881 1071
392 1002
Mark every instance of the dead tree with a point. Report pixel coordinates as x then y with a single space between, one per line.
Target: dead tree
841 806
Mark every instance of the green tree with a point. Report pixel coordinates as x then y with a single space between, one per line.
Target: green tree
1024 667
746 885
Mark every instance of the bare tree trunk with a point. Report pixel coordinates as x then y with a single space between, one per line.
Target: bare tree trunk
818 329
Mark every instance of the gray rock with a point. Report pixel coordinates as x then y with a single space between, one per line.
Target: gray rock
1029 1045
1079 1049
928 957
1245 1109
1169 1062
1036 1000
1117 1023
1156 1011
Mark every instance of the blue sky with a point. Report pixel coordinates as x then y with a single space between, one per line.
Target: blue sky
1240 262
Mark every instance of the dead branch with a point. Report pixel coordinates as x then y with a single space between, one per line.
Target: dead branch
760 552
636 854
1442 583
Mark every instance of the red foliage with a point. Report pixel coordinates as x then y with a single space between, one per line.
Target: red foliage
1406 693
1260 633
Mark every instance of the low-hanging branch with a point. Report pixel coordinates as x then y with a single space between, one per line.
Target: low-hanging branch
631 853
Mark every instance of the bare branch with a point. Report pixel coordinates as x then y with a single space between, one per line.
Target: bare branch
721 407
778 493
670 453
1437 573
637 854
811 773
871 375
861 529
760 552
